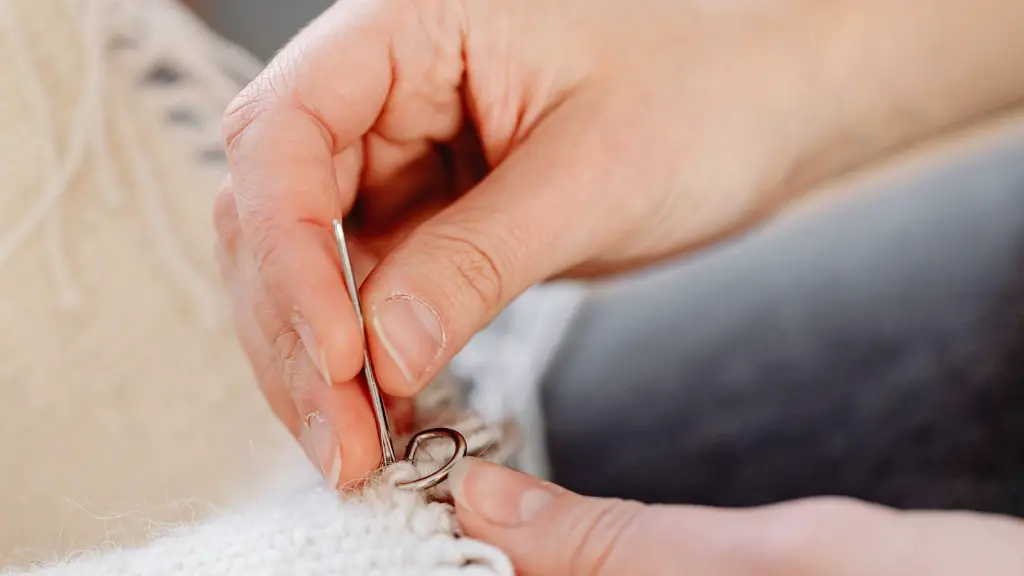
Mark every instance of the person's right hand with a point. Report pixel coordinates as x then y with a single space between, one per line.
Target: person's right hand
483 146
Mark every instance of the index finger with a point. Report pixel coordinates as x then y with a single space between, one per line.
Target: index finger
293 141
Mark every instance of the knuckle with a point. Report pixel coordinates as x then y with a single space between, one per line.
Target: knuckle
477 272
260 96
600 533
241 115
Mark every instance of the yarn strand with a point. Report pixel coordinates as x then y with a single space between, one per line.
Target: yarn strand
62 172
89 128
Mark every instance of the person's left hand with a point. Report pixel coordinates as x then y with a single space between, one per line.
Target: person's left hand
547 530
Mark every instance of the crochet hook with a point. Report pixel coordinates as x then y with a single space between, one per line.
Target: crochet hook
387 445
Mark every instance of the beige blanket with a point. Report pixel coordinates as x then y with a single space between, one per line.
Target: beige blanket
127 404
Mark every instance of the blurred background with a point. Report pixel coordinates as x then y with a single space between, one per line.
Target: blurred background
869 345
261 26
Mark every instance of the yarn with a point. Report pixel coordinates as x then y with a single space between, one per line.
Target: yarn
507 363
101 23
378 531
115 402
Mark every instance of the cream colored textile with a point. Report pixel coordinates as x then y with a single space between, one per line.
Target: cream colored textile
128 408
122 383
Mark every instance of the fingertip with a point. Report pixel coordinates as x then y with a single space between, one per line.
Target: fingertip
306 281
341 355
347 407
361 458
457 481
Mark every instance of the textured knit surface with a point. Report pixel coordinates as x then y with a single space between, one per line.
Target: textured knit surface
133 439
381 531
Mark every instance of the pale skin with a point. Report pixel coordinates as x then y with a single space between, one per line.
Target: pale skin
490 145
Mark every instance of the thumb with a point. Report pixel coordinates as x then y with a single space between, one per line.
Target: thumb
454 272
546 529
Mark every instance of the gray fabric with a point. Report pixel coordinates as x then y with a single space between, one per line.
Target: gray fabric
262 26
874 351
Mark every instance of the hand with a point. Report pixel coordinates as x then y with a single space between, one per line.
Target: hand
547 530
484 146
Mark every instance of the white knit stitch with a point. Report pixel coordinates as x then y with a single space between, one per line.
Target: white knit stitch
507 363
380 531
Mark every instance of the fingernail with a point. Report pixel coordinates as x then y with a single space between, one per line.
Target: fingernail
498 495
325 445
411 333
309 342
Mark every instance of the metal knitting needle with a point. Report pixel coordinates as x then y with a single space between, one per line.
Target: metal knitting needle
387 446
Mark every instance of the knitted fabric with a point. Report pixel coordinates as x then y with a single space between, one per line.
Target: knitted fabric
134 438
508 360
376 532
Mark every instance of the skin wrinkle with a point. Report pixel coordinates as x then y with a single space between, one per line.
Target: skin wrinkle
266 366
477 267
436 40
349 170
286 368
498 128
240 115
623 518
363 20
407 92
294 97
413 153
288 346
265 247
270 369
316 116
258 214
